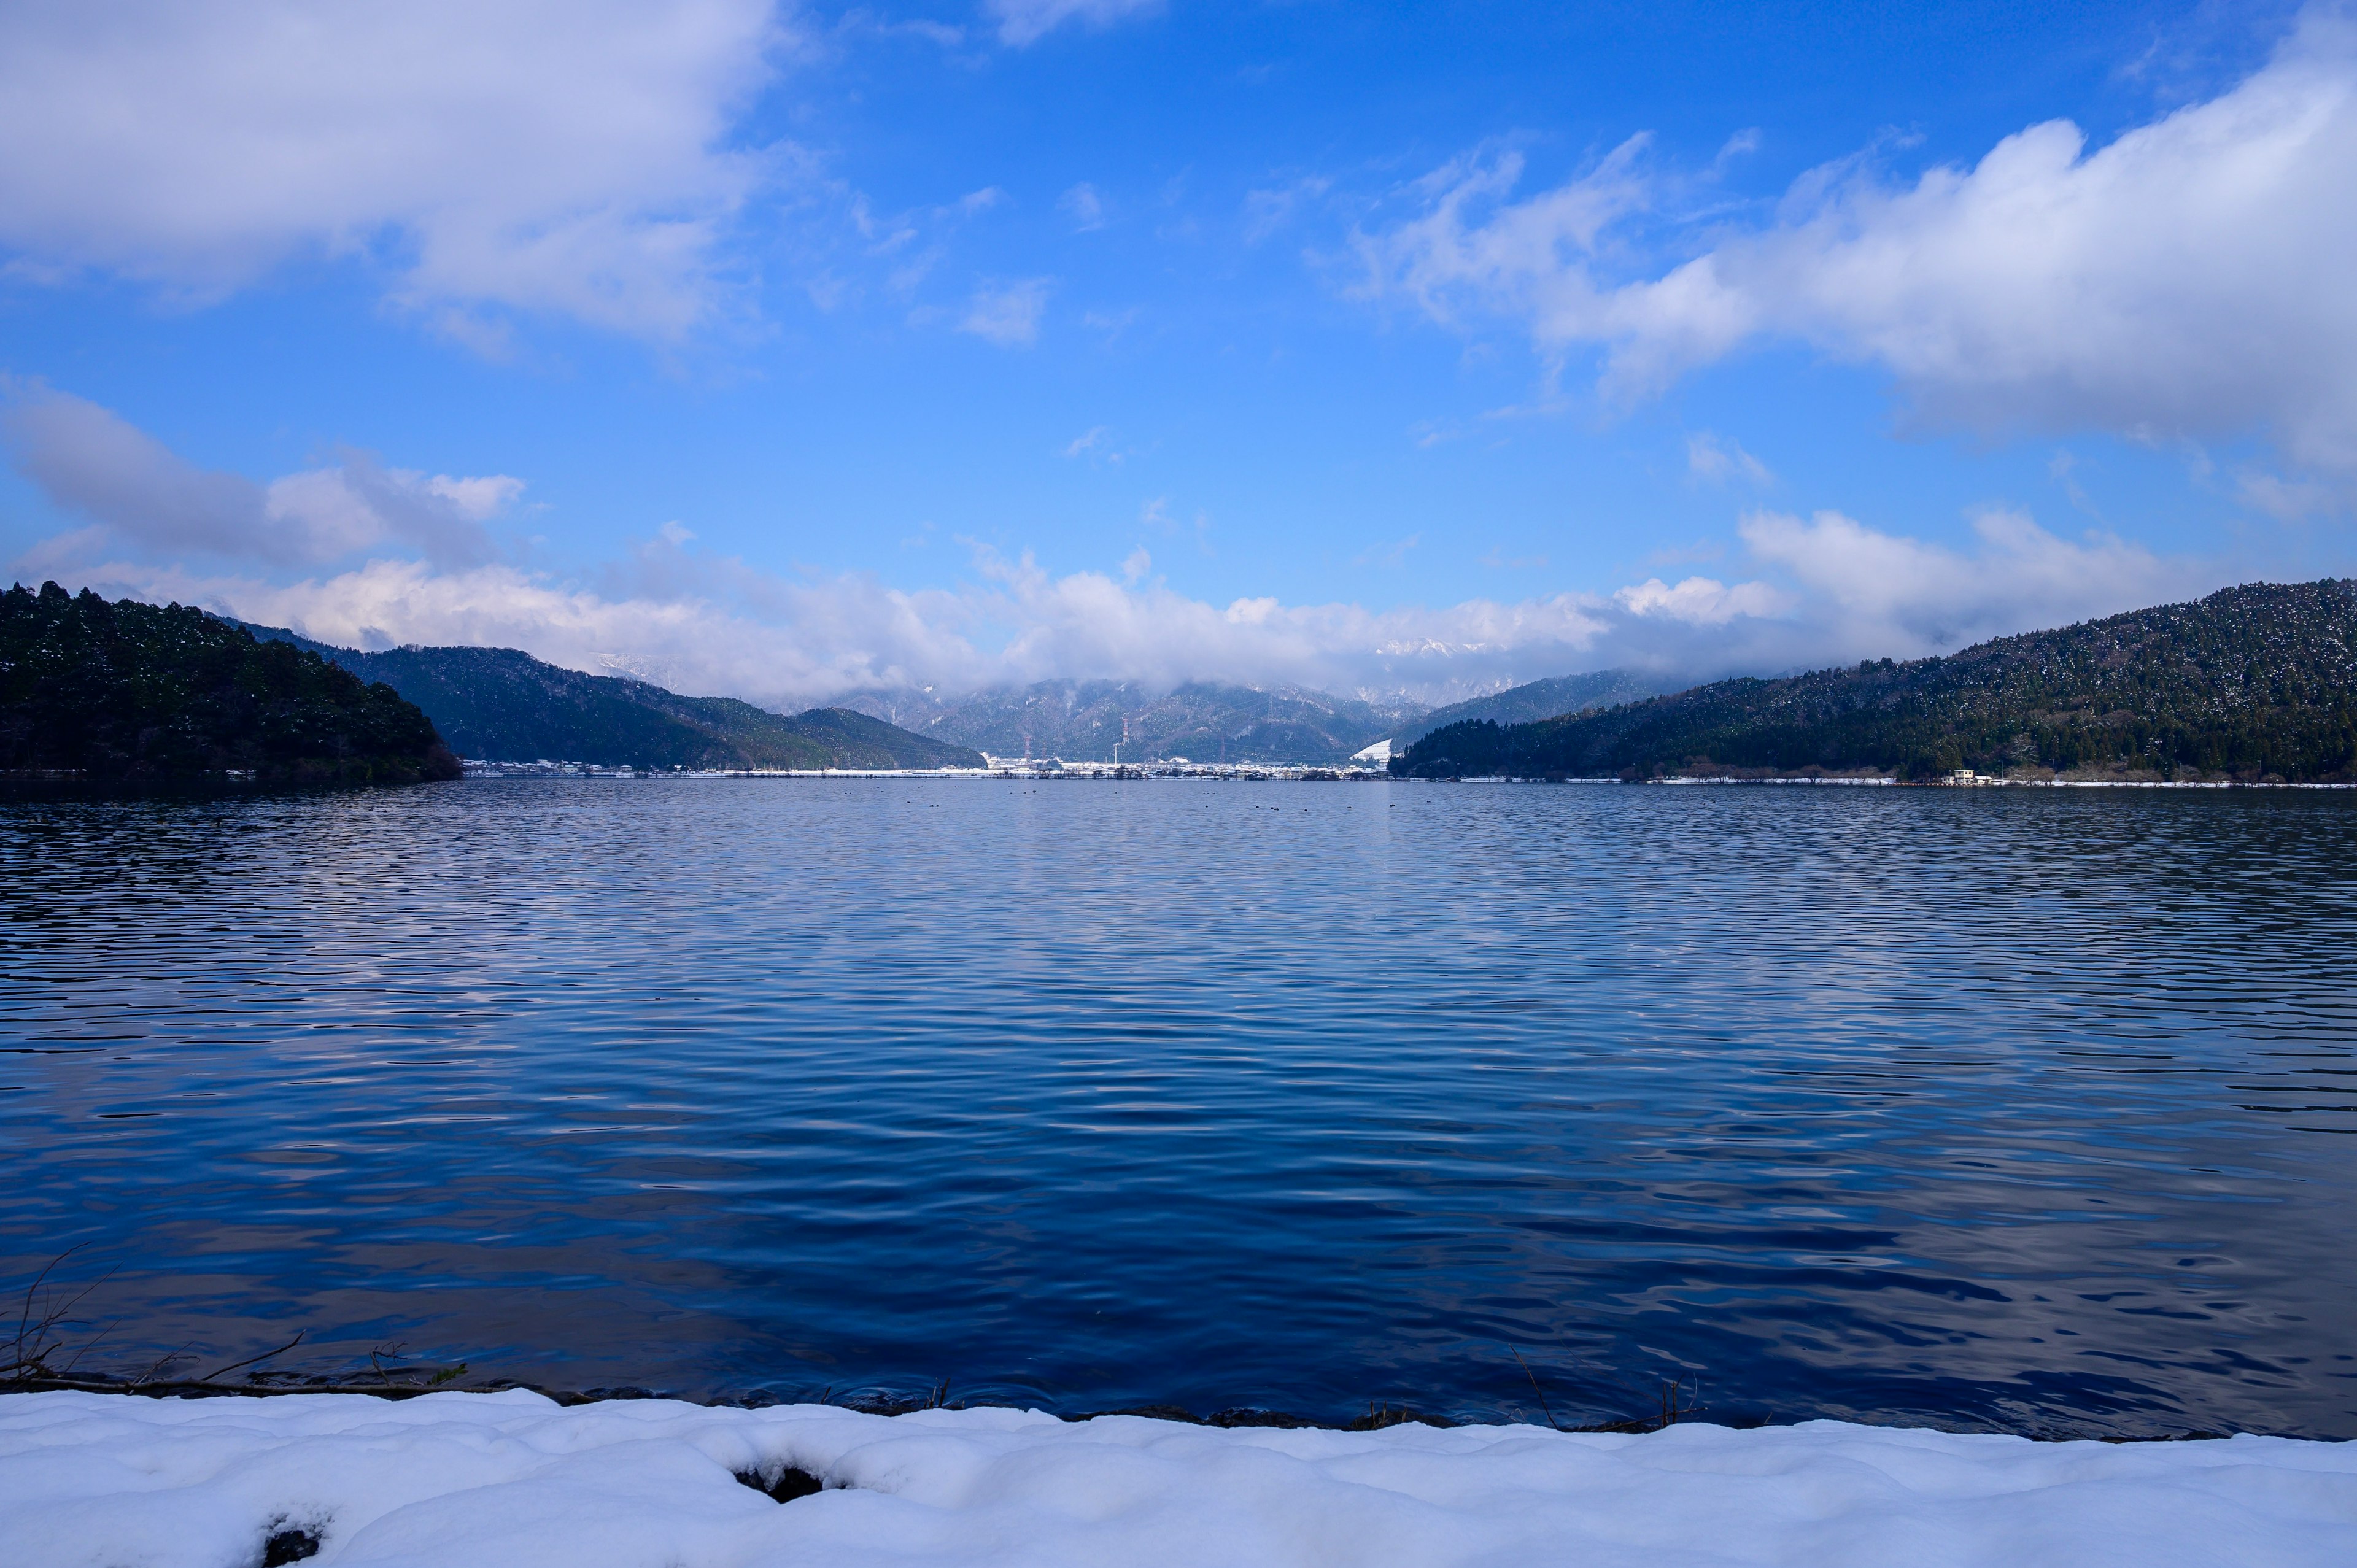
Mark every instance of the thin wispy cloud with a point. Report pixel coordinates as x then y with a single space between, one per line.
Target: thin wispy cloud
1084 206
1008 313
1025 21
1387 555
1718 459
2063 469
2291 501
1271 209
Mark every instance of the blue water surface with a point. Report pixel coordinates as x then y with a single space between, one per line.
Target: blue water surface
2021 1110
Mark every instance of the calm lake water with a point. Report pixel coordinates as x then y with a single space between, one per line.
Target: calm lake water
2029 1110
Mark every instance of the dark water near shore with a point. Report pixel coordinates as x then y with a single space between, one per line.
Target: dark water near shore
2030 1109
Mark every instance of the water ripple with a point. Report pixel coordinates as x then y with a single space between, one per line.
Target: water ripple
1995 1109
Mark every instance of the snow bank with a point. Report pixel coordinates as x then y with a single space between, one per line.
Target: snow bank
515 1481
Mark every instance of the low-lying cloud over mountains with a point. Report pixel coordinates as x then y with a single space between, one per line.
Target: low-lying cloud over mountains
414 559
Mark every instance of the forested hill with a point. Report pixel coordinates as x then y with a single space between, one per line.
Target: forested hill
2255 682
132 692
503 704
1538 700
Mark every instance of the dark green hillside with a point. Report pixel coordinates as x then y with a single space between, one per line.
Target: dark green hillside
505 705
126 691
1537 700
2254 683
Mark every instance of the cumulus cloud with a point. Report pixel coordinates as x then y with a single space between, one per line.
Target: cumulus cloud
1008 314
1023 22
2187 280
785 642
1828 590
1893 596
560 156
137 492
1702 601
395 556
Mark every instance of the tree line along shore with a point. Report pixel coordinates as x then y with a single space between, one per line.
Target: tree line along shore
132 694
2252 684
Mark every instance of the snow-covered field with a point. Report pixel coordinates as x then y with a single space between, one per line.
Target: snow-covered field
515 1481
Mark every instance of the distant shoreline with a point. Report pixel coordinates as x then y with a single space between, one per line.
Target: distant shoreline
1312 773
30 784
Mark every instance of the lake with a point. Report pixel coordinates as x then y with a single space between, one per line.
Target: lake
2019 1110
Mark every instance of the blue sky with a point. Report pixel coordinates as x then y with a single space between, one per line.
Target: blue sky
785 350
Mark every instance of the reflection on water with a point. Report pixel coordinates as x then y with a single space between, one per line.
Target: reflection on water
2029 1110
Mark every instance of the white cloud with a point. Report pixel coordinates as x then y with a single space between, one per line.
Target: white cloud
1023 22
1829 590
141 494
1819 590
1896 596
2188 280
1717 458
561 156
1008 314
479 499
1702 601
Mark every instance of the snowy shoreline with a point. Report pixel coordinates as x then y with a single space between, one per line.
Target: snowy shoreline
514 1479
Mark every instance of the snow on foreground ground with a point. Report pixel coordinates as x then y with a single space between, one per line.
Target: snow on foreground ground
514 1480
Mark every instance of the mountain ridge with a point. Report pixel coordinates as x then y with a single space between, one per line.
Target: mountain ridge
2256 682
1536 700
502 704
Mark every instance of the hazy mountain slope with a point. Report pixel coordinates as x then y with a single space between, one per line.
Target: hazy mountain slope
862 740
505 705
1203 721
127 690
2253 683
1540 700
